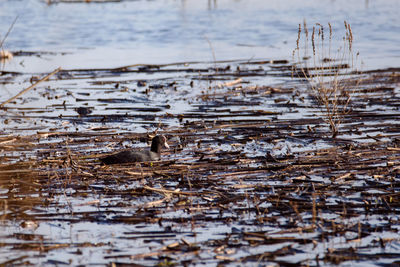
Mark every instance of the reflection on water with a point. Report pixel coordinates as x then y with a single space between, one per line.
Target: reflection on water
127 32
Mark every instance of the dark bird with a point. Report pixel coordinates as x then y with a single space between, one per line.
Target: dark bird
83 111
128 156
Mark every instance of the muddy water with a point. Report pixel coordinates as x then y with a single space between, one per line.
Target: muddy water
252 176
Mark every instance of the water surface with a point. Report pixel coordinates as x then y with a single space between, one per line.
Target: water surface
164 31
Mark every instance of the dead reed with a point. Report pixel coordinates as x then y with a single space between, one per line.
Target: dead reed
317 201
332 65
4 54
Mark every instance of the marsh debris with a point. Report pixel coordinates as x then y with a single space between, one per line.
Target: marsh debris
252 174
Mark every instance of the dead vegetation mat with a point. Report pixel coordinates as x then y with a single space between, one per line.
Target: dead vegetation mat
221 194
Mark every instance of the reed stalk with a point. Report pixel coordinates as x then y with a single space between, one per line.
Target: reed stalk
329 71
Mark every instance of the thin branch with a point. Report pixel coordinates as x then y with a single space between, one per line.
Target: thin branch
8 32
30 87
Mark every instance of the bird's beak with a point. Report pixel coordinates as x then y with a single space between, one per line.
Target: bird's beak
166 144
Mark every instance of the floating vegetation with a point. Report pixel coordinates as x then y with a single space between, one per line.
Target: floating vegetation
252 176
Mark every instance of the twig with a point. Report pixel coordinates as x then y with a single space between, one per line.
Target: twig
212 51
164 191
156 203
8 32
30 87
93 202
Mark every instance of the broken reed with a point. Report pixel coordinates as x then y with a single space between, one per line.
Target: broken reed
4 54
329 71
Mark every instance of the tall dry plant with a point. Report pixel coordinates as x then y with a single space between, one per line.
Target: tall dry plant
4 54
329 70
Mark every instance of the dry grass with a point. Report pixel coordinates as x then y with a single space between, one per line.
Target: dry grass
331 68
4 54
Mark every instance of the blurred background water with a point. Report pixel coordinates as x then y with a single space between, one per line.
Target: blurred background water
96 35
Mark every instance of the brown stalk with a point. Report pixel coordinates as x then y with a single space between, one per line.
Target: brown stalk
30 87
331 95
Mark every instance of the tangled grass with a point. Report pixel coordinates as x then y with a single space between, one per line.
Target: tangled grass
330 71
